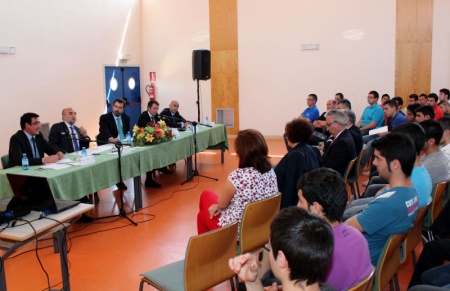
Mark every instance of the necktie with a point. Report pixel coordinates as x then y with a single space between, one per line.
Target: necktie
120 128
35 151
74 139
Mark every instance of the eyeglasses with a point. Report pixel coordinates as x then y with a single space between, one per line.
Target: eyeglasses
309 99
329 124
36 123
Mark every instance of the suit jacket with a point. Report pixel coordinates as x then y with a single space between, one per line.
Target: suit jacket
19 145
60 136
108 128
357 137
340 152
144 119
175 123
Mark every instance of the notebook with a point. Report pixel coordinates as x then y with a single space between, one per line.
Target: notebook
36 192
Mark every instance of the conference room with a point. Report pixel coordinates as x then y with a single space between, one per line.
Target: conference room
266 58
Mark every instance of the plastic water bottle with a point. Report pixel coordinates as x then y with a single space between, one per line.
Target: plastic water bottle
24 162
83 152
206 120
129 138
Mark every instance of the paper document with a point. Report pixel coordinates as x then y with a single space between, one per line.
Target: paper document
378 130
54 166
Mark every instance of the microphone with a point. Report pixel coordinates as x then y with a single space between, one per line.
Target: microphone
172 118
70 136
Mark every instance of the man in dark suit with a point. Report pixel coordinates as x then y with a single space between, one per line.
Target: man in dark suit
110 123
177 121
150 116
354 130
31 142
66 136
342 150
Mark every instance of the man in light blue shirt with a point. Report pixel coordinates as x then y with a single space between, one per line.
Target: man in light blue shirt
311 112
373 116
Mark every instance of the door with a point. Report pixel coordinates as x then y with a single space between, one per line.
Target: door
124 82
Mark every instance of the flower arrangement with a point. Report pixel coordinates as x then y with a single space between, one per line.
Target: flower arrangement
151 134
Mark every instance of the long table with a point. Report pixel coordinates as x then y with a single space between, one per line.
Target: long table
31 228
77 181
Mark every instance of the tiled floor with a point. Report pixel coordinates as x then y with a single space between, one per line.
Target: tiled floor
109 254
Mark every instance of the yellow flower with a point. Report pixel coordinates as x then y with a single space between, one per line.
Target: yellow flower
136 128
162 123
140 135
149 138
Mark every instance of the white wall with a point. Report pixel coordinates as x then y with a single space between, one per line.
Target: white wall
273 69
61 50
63 46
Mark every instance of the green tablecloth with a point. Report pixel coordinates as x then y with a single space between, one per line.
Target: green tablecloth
77 181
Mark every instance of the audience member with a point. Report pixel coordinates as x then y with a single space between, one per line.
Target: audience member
434 159
150 116
30 141
320 122
354 130
445 140
399 101
114 125
301 247
372 116
253 180
322 192
66 135
384 98
174 119
445 108
443 94
411 112
344 104
311 112
342 149
338 97
423 99
413 99
432 100
419 176
395 209
299 160
424 112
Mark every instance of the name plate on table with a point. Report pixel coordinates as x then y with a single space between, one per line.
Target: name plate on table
87 160
126 149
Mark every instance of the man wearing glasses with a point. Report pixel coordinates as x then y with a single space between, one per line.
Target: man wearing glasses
31 142
311 112
373 116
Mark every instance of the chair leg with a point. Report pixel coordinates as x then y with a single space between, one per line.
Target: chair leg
357 187
397 285
141 285
414 258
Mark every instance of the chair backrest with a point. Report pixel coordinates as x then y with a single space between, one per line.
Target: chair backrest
388 261
354 175
436 203
255 223
365 284
5 161
414 235
350 166
207 255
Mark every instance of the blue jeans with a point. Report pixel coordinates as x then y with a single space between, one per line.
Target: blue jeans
437 276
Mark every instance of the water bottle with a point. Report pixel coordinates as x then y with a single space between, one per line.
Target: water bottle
83 152
206 120
24 162
129 138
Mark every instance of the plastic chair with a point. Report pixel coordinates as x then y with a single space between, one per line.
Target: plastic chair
436 203
388 263
413 236
366 284
5 161
255 223
347 172
354 177
205 265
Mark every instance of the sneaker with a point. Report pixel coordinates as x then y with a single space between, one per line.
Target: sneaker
365 183
366 173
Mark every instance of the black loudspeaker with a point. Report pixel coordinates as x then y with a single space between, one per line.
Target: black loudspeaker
201 65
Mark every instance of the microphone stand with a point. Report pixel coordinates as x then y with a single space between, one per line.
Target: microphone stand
122 212
195 172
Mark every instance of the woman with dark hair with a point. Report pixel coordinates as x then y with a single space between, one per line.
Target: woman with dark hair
253 180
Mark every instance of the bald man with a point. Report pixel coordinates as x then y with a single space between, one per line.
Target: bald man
177 121
66 136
